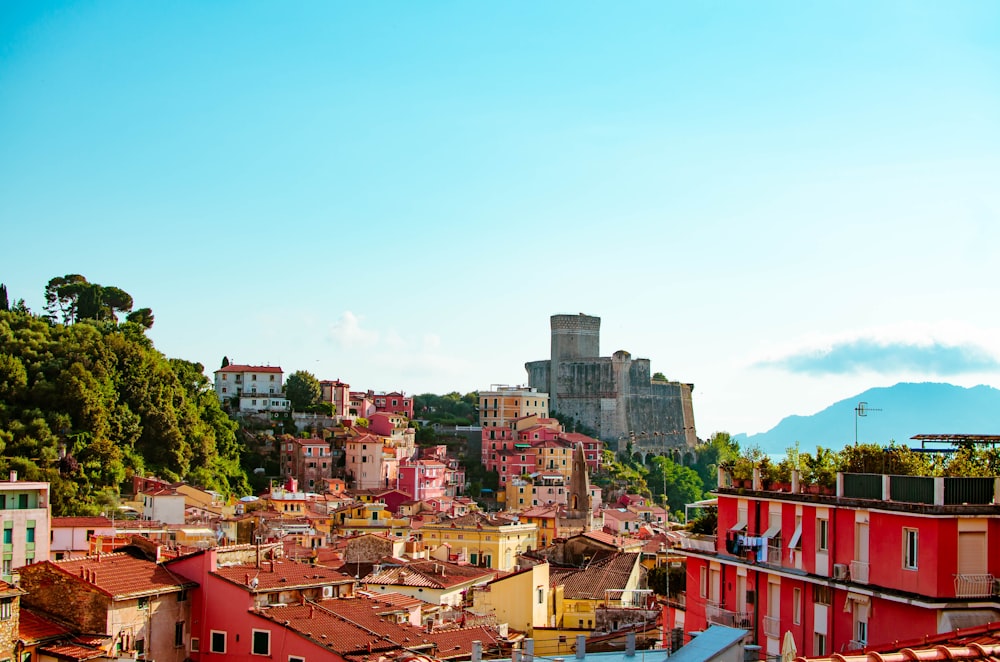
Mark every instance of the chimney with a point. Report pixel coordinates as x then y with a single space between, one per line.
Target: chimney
581 646
312 611
477 651
13 476
529 650
630 644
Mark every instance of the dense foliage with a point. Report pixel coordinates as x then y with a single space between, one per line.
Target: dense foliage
89 403
449 409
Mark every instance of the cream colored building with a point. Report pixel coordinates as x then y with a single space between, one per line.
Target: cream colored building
500 406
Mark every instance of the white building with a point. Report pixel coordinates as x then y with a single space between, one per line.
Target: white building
26 514
71 535
259 388
165 505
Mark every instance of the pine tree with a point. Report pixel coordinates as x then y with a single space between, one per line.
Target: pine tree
225 361
4 303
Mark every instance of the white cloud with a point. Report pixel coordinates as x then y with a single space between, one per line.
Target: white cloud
349 334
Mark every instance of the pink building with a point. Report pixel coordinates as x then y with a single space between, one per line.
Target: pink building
395 402
337 393
308 461
423 479
372 461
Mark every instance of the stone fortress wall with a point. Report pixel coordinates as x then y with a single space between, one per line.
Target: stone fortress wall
614 395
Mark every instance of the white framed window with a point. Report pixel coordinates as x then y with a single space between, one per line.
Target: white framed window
194 644
910 549
218 641
822 534
261 644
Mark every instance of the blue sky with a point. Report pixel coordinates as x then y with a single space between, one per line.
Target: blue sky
783 203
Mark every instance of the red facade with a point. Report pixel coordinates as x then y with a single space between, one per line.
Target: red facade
868 567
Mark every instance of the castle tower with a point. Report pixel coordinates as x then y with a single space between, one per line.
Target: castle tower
574 337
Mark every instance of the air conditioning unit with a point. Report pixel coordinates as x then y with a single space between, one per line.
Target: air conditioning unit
840 571
327 591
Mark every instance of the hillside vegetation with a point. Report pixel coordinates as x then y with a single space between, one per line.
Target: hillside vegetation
86 402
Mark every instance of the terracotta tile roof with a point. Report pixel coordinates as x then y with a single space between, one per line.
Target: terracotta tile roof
348 626
34 628
280 574
430 574
119 575
394 601
83 522
611 572
233 367
458 642
72 652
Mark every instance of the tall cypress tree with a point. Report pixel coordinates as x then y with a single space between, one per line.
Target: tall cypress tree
4 303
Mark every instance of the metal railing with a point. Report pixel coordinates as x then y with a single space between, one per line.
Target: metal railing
859 571
856 644
733 619
772 627
774 552
975 586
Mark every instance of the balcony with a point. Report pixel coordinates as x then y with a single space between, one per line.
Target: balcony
733 619
772 627
856 645
859 571
975 586
699 543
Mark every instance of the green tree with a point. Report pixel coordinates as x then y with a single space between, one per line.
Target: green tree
303 390
143 317
4 302
225 361
719 449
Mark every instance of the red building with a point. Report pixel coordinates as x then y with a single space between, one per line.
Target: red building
887 558
393 403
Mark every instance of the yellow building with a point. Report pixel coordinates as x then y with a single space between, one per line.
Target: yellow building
502 405
371 517
522 599
491 542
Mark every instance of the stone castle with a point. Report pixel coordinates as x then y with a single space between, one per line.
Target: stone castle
615 396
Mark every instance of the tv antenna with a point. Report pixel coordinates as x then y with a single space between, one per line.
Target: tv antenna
861 410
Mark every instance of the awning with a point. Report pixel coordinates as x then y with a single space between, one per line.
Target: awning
739 526
855 599
772 531
796 537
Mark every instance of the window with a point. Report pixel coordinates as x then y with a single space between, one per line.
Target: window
862 632
29 534
541 596
8 536
703 583
910 549
819 644
22 500
218 642
140 647
6 609
179 633
294 658
143 603
797 606
182 596
261 642
822 541
195 644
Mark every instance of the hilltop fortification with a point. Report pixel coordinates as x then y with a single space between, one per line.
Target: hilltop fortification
615 395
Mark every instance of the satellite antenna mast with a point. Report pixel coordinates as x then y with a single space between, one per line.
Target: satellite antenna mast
861 410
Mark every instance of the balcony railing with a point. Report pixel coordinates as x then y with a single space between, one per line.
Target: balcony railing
733 619
856 644
774 553
772 627
859 571
699 543
975 586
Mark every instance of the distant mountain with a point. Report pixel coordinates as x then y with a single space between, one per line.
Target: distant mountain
906 409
